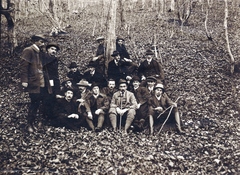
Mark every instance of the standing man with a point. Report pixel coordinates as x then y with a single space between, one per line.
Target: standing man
32 77
123 105
150 67
51 78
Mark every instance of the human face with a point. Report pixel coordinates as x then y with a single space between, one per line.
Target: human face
136 84
101 41
149 58
120 42
150 83
68 84
111 84
117 58
95 90
123 87
74 69
68 95
158 91
52 51
92 69
40 43
82 88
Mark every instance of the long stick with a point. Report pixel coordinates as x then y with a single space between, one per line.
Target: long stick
120 122
165 120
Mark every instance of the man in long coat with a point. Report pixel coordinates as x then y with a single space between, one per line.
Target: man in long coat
32 77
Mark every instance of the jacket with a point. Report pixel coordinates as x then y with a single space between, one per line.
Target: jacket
141 94
127 101
102 102
63 108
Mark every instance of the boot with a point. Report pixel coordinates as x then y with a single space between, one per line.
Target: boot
178 123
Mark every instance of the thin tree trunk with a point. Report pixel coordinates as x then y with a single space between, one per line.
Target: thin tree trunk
111 36
205 23
122 14
227 39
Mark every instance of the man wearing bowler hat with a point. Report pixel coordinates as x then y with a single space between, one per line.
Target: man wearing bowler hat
122 107
150 67
74 73
32 77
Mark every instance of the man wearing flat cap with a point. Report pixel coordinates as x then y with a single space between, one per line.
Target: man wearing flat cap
32 77
159 109
100 55
122 107
150 67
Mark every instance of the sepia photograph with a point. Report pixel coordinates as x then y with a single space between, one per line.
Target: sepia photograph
119 87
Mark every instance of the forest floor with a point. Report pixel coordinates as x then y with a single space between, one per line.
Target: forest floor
197 71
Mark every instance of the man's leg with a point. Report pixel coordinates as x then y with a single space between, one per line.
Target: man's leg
151 123
100 121
113 120
33 108
130 116
178 122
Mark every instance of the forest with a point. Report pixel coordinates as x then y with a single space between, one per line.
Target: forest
197 43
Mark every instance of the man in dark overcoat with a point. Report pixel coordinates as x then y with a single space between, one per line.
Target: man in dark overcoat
150 67
32 77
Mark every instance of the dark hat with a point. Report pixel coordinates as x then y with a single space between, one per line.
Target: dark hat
38 37
94 84
111 79
135 78
68 89
73 65
100 38
92 64
53 45
66 80
149 52
115 53
119 38
83 83
151 78
121 81
159 85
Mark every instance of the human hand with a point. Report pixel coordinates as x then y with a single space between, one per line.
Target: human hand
143 78
160 109
118 110
90 116
98 111
80 100
128 77
95 58
24 84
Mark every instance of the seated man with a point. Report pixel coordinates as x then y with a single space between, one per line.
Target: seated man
158 105
142 95
66 113
99 105
110 89
123 104
74 73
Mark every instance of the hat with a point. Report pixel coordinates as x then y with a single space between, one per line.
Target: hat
121 81
135 78
151 78
73 65
115 53
94 84
66 80
119 38
100 38
92 64
83 83
38 37
149 52
159 85
68 89
53 45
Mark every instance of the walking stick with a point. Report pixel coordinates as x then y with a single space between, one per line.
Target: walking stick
120 122
167 116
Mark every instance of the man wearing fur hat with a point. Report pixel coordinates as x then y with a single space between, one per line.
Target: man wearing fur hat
99 105
123 106
159 108
32 77
150 67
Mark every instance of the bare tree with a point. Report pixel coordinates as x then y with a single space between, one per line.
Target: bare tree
232 61
122 14
111 35
184 11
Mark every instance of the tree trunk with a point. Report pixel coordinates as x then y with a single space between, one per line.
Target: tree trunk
111 36
122 14
172 5
227 39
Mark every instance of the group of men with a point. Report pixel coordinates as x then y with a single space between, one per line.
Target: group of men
129 95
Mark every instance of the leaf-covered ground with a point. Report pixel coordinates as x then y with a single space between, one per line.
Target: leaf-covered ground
197 71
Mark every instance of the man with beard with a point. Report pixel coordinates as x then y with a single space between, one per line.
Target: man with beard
142 97
122 106
99 105
150 67
74 73
51 77
66 112
110 89
32 77
159 109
